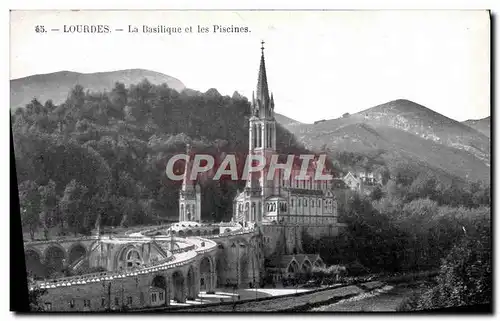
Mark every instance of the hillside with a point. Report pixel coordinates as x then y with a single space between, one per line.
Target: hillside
482 125
56 85
413 131
286 121
109 151
401 129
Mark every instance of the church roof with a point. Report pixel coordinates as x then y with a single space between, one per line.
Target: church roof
283 261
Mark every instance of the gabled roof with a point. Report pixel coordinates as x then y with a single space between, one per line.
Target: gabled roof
283 261
350 174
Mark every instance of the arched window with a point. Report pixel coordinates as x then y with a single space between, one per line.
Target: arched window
259 143
133 259
254 134
182 211
305 202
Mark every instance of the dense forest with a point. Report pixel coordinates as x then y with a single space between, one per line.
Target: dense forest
417 224
103 155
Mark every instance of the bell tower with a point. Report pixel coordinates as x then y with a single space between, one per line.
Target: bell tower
262 136
189 195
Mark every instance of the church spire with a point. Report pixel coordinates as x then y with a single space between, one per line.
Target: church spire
186 181
262 89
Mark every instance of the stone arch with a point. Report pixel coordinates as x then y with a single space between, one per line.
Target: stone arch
191 284
75 252
293 267
128 254
34 265
159 281
244 269
197 233
254 265
223 265
306 266
318 262
35 250
189 233
181 233
178 287
206 274
228 230
133 258
239 248
55 258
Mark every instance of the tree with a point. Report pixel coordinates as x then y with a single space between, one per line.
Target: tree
34 298
34 107
73 205
118 97
29 200
377 193
48 202
465 277
76 97
49 105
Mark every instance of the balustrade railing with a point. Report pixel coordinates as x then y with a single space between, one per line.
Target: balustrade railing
154 266
62 240
111 275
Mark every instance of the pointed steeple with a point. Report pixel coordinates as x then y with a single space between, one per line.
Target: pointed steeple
262 89
186 181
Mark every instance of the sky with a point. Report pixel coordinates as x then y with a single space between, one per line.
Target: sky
320 64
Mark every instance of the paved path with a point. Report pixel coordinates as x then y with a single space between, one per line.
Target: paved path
385 299
279 303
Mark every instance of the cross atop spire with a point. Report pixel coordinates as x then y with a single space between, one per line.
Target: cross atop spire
262 90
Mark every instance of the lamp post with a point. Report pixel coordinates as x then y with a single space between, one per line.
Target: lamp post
109 296
167 296
253 269
201 297
237 266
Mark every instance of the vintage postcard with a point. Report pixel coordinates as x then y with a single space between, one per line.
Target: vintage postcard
252 161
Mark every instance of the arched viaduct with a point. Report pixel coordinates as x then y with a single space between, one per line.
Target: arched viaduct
138 267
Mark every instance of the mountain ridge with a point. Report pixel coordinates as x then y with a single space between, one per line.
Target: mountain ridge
482 125
400 127
56 85
405 126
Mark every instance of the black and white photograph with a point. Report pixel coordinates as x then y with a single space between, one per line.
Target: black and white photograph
168 161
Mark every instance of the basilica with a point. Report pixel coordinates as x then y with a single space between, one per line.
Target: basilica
283 209
280 200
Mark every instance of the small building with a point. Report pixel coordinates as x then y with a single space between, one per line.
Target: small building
156 296
353 181
369 178
293 266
